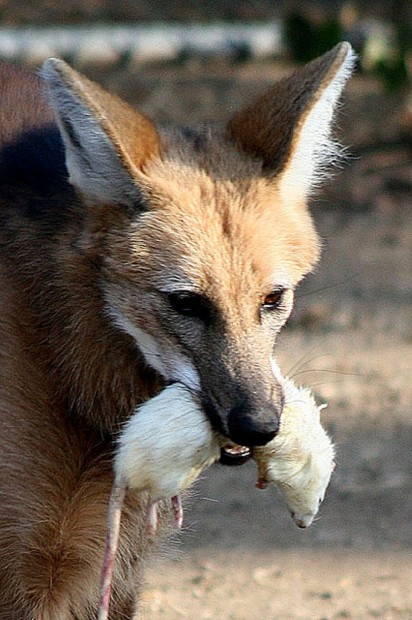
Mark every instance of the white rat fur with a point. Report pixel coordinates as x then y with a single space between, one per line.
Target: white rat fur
162 449
299 460
168 442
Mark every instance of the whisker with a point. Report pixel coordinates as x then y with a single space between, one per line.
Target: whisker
209 499
314 385
306 359
329 371
329 286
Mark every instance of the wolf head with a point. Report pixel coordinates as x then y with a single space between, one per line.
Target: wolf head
202 235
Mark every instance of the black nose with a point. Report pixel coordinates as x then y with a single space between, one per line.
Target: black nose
247 429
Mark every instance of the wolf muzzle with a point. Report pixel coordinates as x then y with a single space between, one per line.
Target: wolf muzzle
248 429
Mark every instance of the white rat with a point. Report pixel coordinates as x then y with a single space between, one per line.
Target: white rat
165 446
168 442
162 449
299 460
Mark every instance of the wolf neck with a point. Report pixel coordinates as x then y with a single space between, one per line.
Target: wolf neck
103 375
97 372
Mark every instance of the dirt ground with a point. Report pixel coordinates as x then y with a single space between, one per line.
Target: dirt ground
240 555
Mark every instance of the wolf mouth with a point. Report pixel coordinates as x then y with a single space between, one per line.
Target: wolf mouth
234 455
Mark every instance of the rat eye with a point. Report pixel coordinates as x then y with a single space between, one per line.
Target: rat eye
274 299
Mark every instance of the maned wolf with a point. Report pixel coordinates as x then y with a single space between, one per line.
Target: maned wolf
132 257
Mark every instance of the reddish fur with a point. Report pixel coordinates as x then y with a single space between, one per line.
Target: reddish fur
260 129
119 120
55 472
69 376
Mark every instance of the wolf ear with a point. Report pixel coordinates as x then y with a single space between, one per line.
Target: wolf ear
105 139
288 127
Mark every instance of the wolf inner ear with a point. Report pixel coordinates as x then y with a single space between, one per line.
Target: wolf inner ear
105 139
288 127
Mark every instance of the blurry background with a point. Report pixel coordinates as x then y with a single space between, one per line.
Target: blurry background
350 337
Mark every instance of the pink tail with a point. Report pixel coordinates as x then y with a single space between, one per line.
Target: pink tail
112 541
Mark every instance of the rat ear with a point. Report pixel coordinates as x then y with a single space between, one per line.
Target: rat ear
288 127
105 139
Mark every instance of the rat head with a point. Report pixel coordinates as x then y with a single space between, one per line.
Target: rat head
305 490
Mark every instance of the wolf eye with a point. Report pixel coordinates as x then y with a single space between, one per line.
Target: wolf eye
273 300
189 304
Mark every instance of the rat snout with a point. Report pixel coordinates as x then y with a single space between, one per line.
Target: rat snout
302 521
